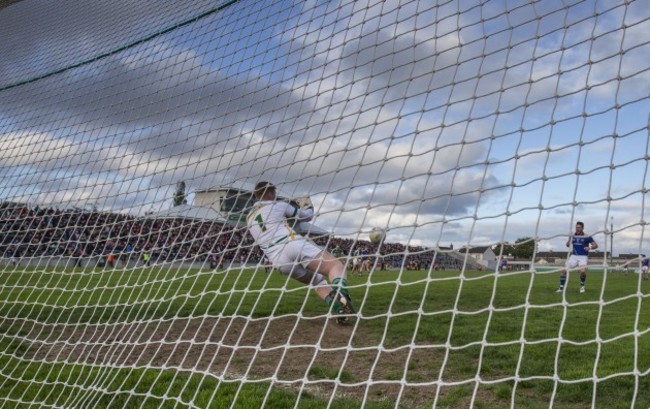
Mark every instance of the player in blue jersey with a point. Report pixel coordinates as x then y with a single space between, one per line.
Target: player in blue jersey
580 244
365 261
644 267
503 265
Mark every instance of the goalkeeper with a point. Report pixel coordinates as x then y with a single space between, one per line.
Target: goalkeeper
292 254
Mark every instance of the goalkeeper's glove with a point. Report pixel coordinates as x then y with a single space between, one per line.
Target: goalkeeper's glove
302 202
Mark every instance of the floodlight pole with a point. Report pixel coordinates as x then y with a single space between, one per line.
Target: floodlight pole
611 239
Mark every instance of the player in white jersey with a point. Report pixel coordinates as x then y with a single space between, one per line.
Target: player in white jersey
292 254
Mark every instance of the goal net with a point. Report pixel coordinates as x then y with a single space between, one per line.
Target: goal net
476 134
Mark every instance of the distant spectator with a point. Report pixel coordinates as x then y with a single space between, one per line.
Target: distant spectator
110 260
146 257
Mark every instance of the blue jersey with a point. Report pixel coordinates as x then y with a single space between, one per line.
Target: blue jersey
645 262
579 243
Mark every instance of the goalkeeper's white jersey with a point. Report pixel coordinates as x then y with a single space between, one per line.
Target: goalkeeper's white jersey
267 222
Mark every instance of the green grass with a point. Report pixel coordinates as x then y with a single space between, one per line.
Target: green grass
498 329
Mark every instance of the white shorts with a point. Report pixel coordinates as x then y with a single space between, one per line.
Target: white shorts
576 261
293 256
644 269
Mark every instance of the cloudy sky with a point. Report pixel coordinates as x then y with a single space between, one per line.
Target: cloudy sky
467 122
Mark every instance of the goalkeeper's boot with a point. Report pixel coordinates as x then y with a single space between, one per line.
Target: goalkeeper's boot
341 304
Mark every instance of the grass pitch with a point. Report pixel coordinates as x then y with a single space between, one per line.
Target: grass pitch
159 337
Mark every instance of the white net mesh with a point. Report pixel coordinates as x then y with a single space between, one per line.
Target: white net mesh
474 133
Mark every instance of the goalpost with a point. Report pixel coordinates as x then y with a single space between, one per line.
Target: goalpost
132 133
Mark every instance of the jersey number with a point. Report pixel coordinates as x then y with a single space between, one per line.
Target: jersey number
260 222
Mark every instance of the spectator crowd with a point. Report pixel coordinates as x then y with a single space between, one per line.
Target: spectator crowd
41 232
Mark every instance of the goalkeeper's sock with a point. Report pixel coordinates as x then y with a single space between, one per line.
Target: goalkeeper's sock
562 281
340 284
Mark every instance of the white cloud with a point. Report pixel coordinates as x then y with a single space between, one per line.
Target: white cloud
374 114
